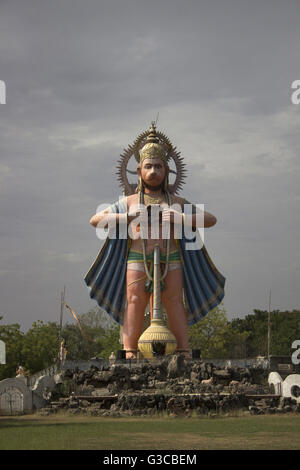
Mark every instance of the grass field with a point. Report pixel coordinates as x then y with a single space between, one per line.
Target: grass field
66 432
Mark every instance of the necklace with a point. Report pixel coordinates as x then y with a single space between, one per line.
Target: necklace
153 200
141 200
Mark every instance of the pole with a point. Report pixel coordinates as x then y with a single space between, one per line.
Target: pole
62 309
269 326
62 303
156 285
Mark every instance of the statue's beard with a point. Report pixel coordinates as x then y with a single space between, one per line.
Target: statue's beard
153 187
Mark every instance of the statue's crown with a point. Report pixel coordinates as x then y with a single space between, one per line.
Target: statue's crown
152 148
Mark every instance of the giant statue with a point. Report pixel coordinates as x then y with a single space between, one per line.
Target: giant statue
121 278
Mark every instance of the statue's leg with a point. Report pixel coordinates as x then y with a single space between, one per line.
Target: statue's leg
137 300
172 300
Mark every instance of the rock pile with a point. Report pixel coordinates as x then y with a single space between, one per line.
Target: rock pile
171 385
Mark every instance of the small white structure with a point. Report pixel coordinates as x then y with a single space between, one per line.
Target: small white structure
275 380
15 397
2 353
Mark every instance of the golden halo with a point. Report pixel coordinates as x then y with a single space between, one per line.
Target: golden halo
134 150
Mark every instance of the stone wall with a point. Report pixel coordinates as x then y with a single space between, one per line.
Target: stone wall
68 365
170 385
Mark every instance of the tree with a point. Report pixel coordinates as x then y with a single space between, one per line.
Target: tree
84 339
256 325
13 339
216 338
236 342
81 345
40 346
97 318
111 342
284 328
208 334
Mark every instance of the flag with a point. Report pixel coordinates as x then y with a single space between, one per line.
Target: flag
76 318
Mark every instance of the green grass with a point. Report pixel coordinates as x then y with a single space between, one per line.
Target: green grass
35 432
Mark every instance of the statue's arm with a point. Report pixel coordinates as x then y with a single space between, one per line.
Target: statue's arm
209 219
107 216
205 220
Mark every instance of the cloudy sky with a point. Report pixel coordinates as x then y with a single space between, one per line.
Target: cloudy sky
84 78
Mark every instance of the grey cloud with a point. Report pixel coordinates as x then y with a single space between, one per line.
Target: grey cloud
85 78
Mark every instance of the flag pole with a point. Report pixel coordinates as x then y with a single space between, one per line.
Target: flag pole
269 326
62 301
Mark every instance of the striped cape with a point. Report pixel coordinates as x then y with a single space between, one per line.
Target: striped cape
203 287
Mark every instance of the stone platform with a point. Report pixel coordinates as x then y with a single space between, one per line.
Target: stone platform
171 385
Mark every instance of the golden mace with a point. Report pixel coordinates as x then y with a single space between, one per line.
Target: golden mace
157 339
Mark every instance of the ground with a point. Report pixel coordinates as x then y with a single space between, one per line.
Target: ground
62 431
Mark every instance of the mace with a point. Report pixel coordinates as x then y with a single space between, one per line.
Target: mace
157 339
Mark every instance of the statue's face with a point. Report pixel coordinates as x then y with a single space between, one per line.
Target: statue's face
153 172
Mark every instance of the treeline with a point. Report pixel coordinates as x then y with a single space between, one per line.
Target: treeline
247 337
214 335
39 347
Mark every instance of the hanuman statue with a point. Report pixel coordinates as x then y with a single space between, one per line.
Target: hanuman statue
120 279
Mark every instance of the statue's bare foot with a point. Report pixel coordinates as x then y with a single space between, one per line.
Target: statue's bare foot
131 353
185 353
